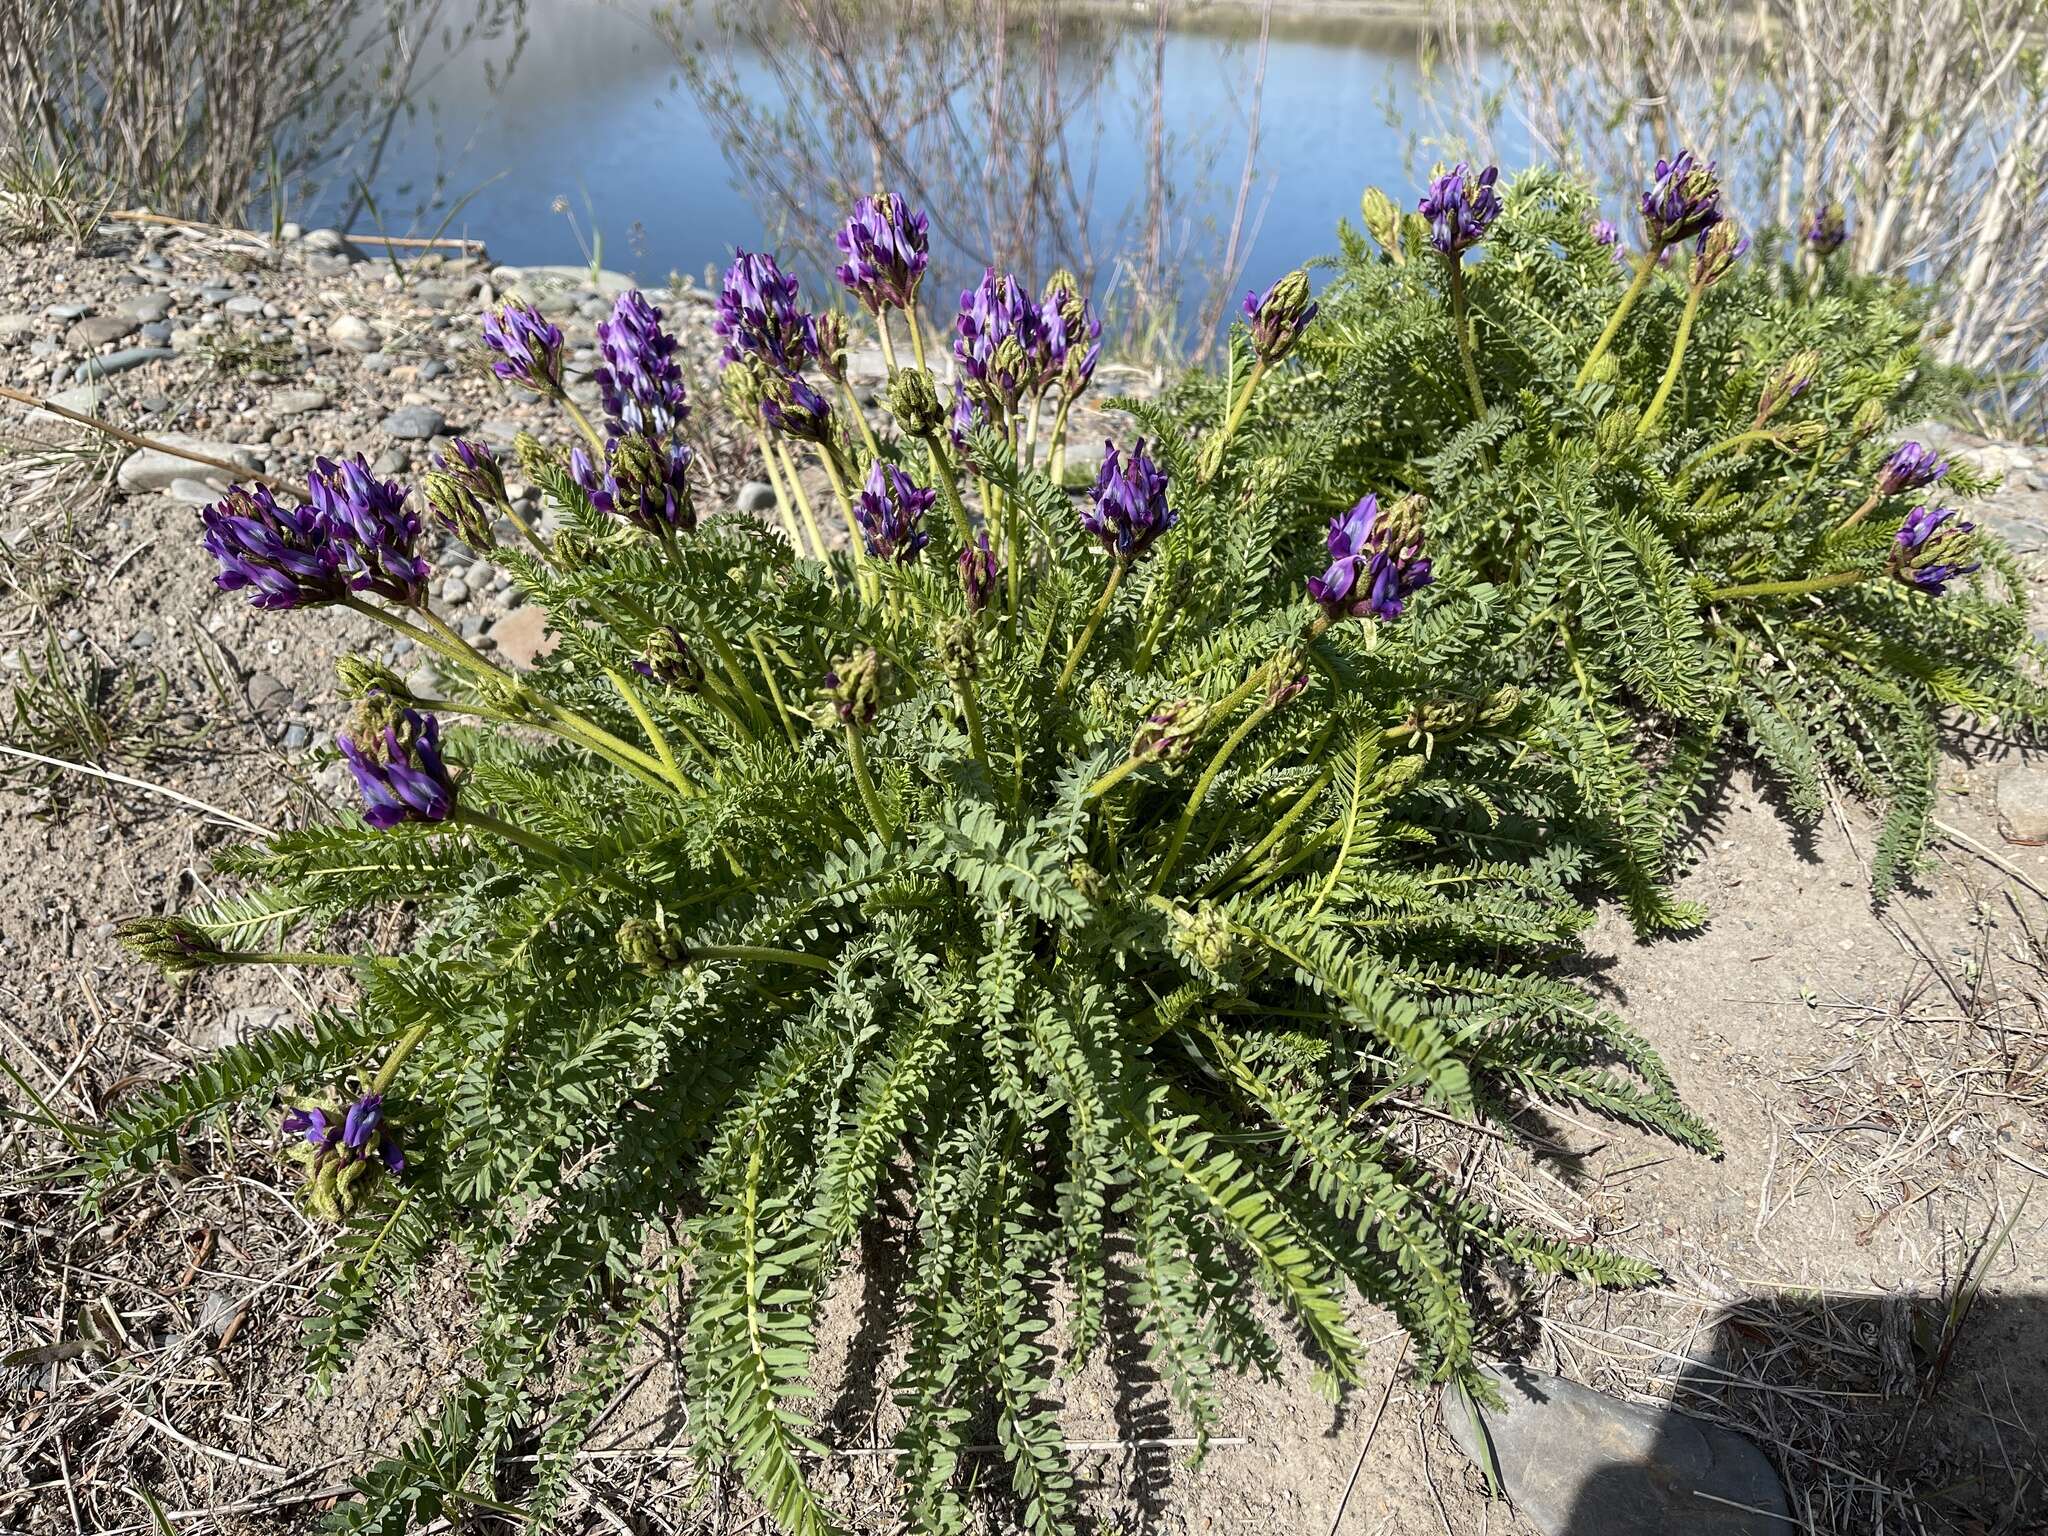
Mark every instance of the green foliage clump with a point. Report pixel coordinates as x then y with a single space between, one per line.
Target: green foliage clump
1685 549
1113 918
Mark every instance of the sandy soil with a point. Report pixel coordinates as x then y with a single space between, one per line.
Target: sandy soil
1878 1079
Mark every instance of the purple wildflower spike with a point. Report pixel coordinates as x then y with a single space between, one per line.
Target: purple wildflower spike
640 380
529 347
758 314
1127 509
284 557
890 510
1460 207
885 247
1684 201
1376 561
402 775
377 535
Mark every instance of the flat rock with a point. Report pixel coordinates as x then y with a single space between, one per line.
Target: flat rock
196 493
1576 1462
149 470
244 304
756 496
14 327
415 423
83 398
296 402
352 333
121 362
557 279
268 695
99 330
150 307
2023 802
522 635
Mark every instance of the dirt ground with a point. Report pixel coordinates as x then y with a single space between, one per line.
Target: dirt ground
1861 1283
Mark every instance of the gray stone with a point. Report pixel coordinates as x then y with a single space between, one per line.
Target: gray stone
296 737
757 496
296 402
99 330
434 368
149 470
1576 1462
331 242
444 292
393 461
83 398
454 590
325 264
121 362
245 304
415 423
499 429
68 311
423 682
2023 802
352 333
195 493
378 362
157 333
14 327
268 696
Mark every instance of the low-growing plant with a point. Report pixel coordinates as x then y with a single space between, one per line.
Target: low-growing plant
1112 883
1674 478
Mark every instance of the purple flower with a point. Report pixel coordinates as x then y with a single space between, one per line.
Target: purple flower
1604 233
1073 335
1460 207
884 243
1684 201
890 510
1931 549
1277 317
999 340
640 380
791 406
1376 561
968 413
645 482
401 773
320 1133
368 521
285 556
1910 467
528 345
758 314
1127 509
979 572
360 1125
1827 229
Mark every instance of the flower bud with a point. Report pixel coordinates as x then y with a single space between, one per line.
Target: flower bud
1792 379
979 573
854 688
789 405
828 330
363 675
913 399
1826 229
1716 251
1204 936
650 946
1684 201
1382 221
1169 731
168 942
1087 879
1932 549
1868 418
668 660
954 644
1277 318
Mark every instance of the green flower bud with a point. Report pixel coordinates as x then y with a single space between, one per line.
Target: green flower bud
1204 937
1382 222
853 688
955 647
1087 879
1869 417
1616 431
362 675
1169 731
913 399
169 942
650 946
829 327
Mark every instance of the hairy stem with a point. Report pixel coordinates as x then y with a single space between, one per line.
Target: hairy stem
1644 270
857 756
1787 588
1116 576
1670 379
532 842
803 501
1461 317
1230 423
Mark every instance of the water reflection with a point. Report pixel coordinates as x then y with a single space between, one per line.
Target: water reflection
1168 159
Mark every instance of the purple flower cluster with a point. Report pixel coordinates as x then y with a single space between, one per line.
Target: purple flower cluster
1000 340
368 521
352 533
1827 229
1073 335
1715 252
1127 509
352 1138
1931 548
1460 207
1684 201
529 347
790 405
465 489
284 556
645 482
401 774
885 247
758 314
640 380
1376 563
1909 468
891 510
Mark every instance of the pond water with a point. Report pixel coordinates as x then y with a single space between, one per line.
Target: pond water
599 117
